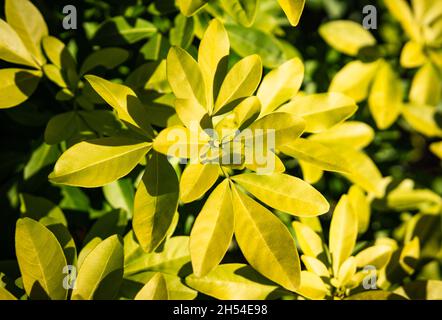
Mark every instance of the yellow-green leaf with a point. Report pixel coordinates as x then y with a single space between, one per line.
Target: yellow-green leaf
272 252
98 162
346 272
12 48
155 289
377 256
101 273
190 7
293 10
196 180
17 85
346 36
243 11
385 100
156 202
241 81
343 233
29 24
41 260
316 266
213 231
189 111
436 148
233 282
421 290
285 193
58 54
426 88
5 295
413 55
124 101
355 79
317 154
321 111
281 85
108 58
212 58
185 77
402 12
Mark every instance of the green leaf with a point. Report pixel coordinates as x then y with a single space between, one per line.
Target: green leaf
241 81
181 35
185 77
98 162
385 100
12 48
346 36
61 127
281 85
124 100
118 31
375 295
113 222
285 193
41 261
101 273
243 11
37 207
293 10
421 290
317 154
212 58
108 58
120 195
29 24
212 231
17 86
42 157
155 289
196 180
156 202
272 252
233 282
343 233
321 111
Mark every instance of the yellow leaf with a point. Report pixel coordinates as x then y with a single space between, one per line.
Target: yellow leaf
293 10
196 180
377 256
233 282
321 111
351 134
316 266
422 119
436 148
402 12
124 100
308 240
98 162
185 77
281 85
154 289
355 79
212 59
17 85
189 111
213 231
285 193
12 48
343 233
312 287
385 100
5 295
54 74
241 82
426 88
41 260
156 202
413 55
190 7
57 53
311 173
29 24
346 36
317 154
361 206
272 252
346 272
